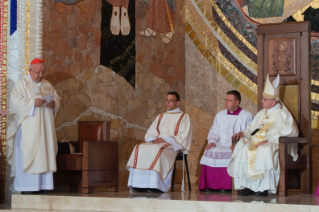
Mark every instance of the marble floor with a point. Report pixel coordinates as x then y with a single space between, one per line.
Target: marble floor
123 200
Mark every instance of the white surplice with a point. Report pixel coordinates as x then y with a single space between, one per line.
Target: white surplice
31 137
160 176
224 126
266 162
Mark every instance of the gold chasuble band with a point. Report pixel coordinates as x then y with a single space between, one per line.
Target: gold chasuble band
256 139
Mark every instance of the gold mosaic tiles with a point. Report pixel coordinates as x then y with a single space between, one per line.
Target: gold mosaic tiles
217 60
27 37
225 39
3 102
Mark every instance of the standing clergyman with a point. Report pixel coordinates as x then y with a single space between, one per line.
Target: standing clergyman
31 136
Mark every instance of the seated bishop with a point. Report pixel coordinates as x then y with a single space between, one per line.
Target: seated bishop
218 152
254 163
151 162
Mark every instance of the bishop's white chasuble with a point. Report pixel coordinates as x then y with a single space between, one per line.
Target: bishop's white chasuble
257 168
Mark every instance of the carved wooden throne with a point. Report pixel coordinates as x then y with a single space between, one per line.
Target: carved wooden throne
284 49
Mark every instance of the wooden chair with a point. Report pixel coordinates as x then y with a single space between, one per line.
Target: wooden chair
180 157
95 162
295 91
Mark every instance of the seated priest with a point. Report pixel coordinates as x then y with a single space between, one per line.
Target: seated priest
254 163
151 162
218 152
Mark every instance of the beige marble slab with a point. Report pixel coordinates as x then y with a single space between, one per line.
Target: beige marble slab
40 210
112 203
314 208
251 207
171 202
71 203
27 201
124 209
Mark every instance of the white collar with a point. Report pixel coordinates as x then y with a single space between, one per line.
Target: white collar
274 108
176 110
38 83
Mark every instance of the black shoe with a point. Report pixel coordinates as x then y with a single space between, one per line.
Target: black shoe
225 190
26 192
45 191
262 193
207 190
154 190
134 189
210 190
41 192
246 192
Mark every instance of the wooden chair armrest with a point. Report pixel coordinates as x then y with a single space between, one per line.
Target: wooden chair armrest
299 140
100 155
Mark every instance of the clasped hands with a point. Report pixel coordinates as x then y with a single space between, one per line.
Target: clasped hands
158 141
240 135
40 102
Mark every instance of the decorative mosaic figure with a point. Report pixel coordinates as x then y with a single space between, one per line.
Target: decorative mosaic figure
161 19
61 4
120 24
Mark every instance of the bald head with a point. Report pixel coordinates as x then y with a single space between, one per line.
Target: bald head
37 72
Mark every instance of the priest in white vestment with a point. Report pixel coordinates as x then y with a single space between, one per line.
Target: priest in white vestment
255 163
218 152
151 163
31 135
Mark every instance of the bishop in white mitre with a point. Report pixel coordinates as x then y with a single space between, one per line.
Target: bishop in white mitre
151 163
254 163
31 135
218 151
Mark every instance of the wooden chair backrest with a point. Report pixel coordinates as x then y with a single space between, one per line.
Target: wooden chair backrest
93 131
285 49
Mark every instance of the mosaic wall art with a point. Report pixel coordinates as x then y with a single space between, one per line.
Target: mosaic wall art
61 5
160 40
236 38
3 89
118 38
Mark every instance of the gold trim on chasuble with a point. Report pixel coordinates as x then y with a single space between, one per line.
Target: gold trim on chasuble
136 155
179 123
158 155
256 139
158 123
166 145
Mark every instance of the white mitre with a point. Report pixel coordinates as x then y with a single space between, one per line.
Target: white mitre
272 90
